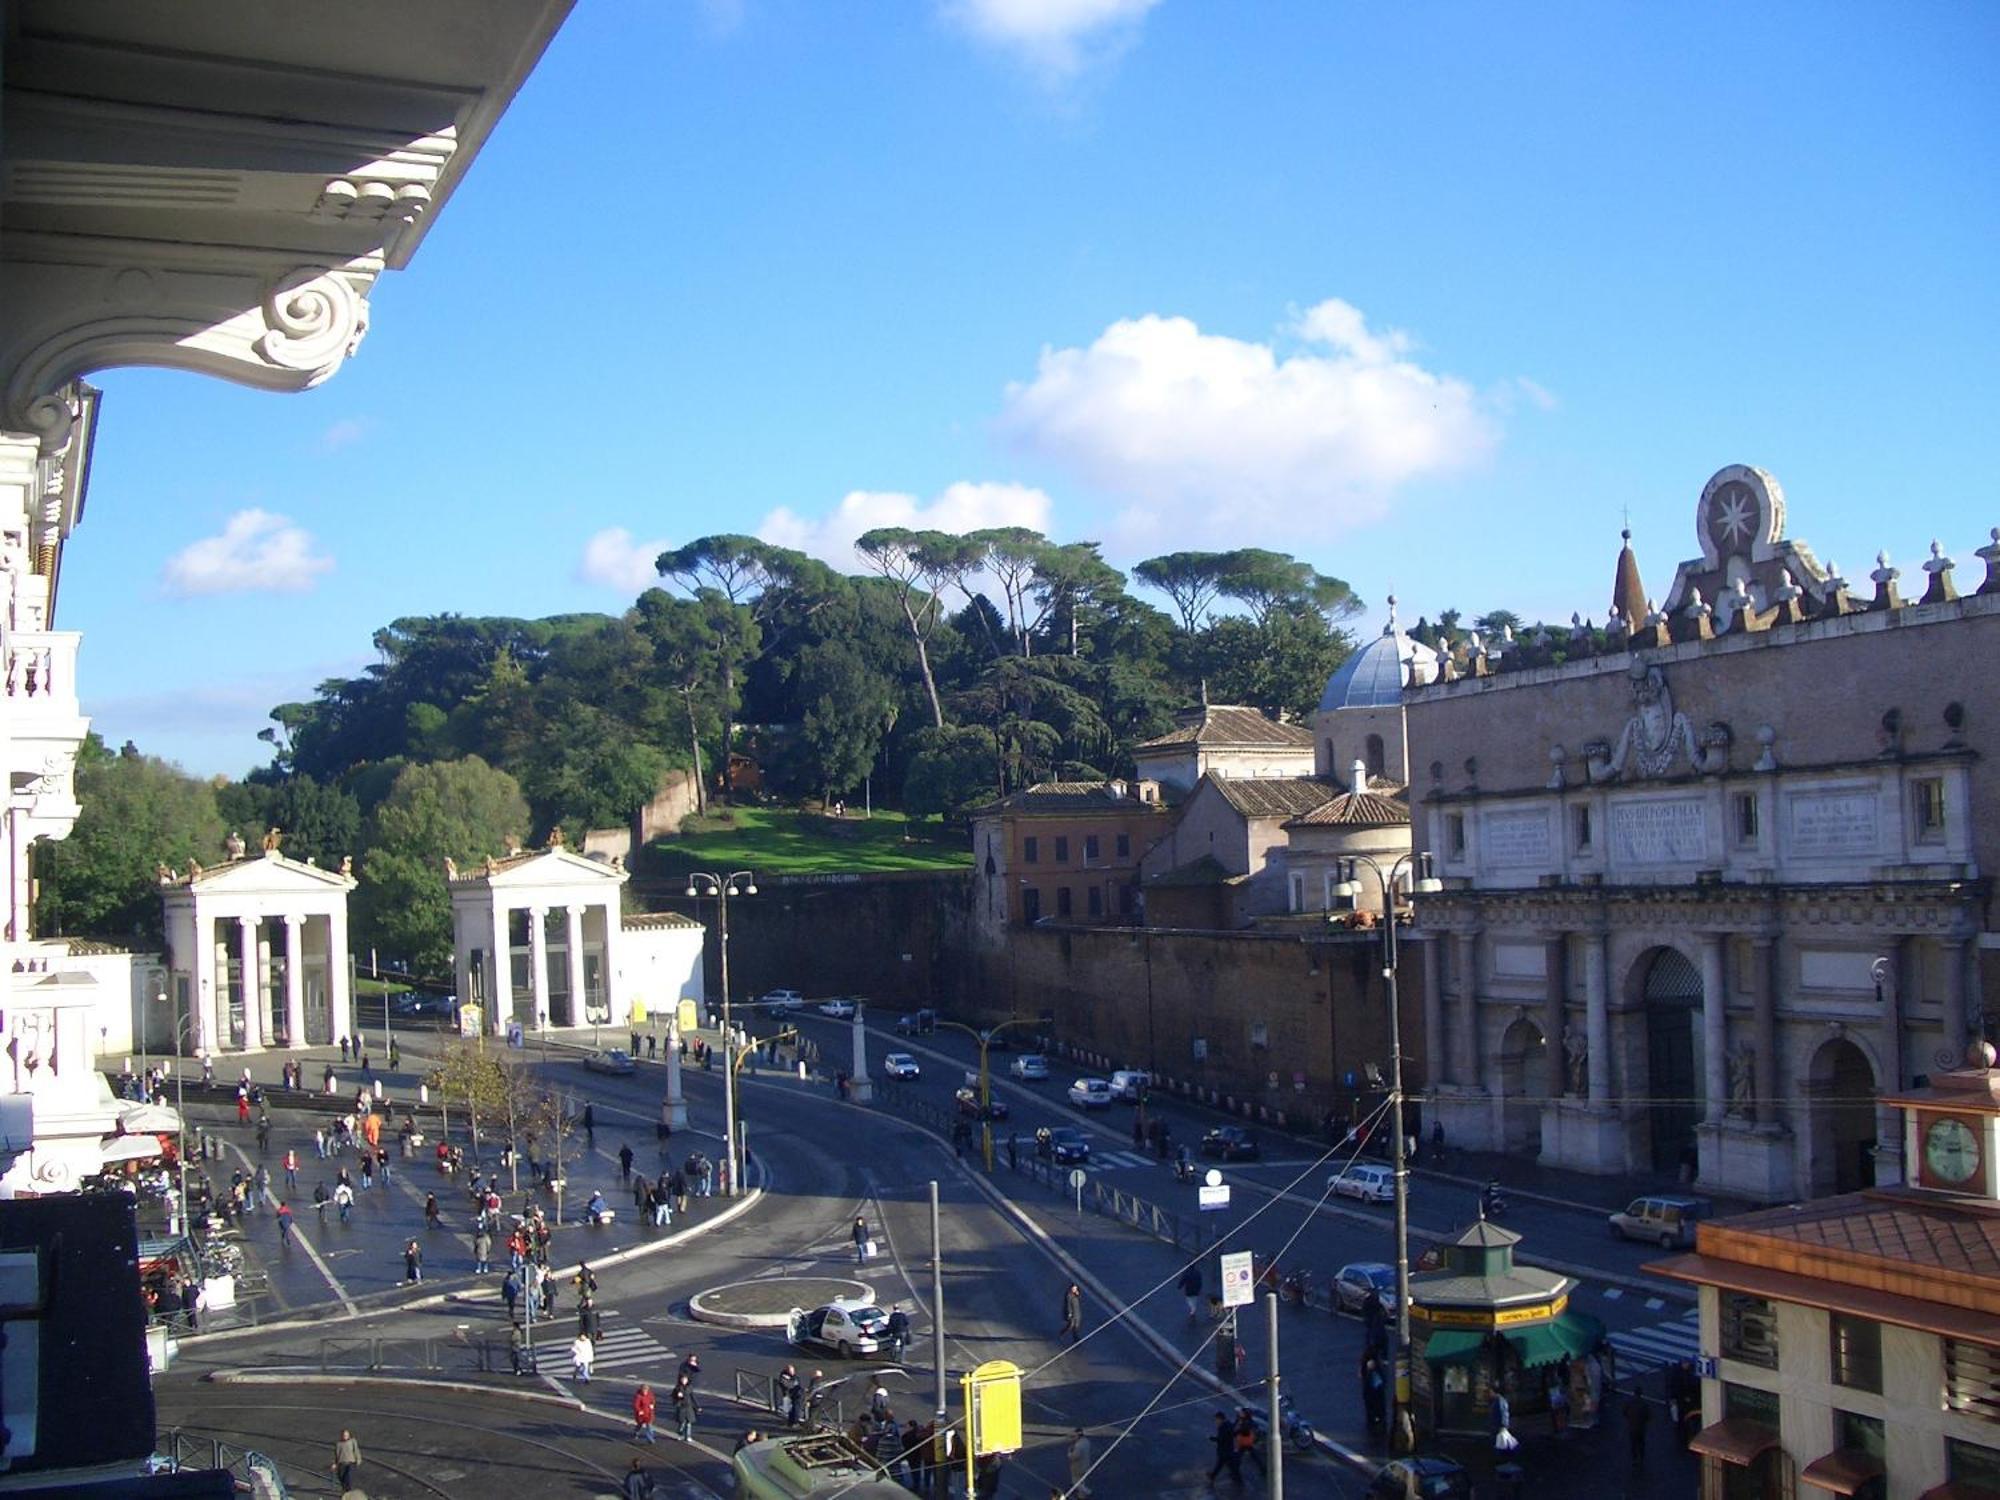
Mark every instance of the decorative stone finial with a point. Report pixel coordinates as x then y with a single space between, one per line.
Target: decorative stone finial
1390 627
1940 589
1884 578
1767 756
1990 555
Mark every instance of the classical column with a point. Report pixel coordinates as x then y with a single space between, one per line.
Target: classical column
1465 966
500 987
1436 1067
1889 970
253 984
1597 1013
1952 951
860 1088
205 1030
1555 1023
1764 1026
1714 1031
538 963
578 1013
339 991
295 980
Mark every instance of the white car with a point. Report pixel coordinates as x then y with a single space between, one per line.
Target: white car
845 1328
616 1060
840 1010
782 1000
1090 1093
1369 1181
1032 1066
1130 1084
901 1065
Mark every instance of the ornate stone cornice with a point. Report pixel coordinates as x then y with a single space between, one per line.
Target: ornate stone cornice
1943 908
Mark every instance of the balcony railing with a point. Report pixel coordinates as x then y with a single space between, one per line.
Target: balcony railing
40 671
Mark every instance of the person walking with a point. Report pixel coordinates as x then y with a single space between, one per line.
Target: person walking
643 1408
284 1222
432 1218
1637 1414
638 1483
510 1292
1246 1439
590 1123
1226 1456
686 1412
263 1131
291 1171
413 1262
343 1199
482 1251
1072 1323
1191 1289
625 1163
582 1354
1079 1452
346 1459
859 1234
320 1200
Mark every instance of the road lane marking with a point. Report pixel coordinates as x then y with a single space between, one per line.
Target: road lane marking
299 1234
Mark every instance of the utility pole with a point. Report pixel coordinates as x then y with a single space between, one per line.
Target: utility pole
937 1304
722 887
1275 1457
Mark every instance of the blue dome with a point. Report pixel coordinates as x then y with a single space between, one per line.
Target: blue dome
1373 677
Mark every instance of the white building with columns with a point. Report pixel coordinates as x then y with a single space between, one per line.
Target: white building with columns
257 957
213 187
535 940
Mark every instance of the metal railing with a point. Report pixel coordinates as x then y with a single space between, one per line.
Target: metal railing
464 1353
756 1388
256 1473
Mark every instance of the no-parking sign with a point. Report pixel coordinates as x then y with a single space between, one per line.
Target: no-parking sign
1238 1279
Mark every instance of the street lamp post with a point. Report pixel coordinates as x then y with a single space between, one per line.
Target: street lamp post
722 887
1349 887
984 1038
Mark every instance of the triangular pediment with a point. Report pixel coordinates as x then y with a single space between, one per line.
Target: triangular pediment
543 868
260 874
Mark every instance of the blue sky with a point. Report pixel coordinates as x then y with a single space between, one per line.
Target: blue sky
1429 294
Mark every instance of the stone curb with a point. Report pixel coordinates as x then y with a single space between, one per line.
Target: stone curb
759 1320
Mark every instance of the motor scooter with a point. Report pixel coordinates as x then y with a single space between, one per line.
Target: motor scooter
1184 1169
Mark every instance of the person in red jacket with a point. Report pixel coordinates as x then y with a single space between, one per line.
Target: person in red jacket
643 1407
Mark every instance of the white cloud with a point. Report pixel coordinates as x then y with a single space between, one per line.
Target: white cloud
612 558
257 552
1204 435
343 434
1056 36
964 506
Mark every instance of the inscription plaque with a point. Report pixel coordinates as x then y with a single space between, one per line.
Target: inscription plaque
1833 823
1514 838
1659 832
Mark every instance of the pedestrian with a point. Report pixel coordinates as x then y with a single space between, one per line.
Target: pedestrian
431 1216
1559 1406
784 1391
582 1352
590 1123
343 1199
859 1234
1226 1456
1502 1415
262 1180
638 1483
291 1171
413 1262
1637 1414
686 1412
367 1170
320 1201
1072 1324
263 1131
653 1047
284 1223
346 1459
690 1367
343 1049
242 1106
1079 1463
1246 1439
1374 1395
1191 1289
1437 1141
643 1407
625 1162
510 1292
482 1250
395 1055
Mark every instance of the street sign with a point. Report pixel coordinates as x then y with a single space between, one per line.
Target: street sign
1077 1178
1213 1197
993 1408
1705 1367
1238 1279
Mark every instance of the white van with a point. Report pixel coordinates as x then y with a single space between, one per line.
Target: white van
1129 1084
1369 1181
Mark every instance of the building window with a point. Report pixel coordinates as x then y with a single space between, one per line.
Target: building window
1749 1403
1372 755
1062 849
1972 1380
1927 800
1095 903
1124 846
1861 1434
1750 1330
1062 901
1031 850
1746 819
1298 893
1857 1353
1971 1463
1031 905
1454 834
1579 829
1124 900
1092 849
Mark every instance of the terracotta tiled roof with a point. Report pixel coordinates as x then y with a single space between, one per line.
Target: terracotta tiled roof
1384 809
1887 1225
1068 797
1230 725
1206 871
1274 796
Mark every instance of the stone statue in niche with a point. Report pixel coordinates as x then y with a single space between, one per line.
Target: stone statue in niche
1656 737
1576 1051
1742 1079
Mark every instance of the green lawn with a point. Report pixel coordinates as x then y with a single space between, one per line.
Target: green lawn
781 842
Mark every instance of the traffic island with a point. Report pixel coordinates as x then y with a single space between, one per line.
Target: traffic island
769 1303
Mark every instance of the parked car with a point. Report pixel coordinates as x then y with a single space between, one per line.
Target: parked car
1064 1145
901 1065
611 1060
1662 1220
840 1010
1369 1181
1434 1479
1353 1282
782 1000
996 1041
1130 1084
917 1023
968 1104
1090 1093
1032 1067
845 1328
1230 1143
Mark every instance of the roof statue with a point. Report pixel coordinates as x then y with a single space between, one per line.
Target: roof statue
450 868
347 865
274 838
556 837
234 846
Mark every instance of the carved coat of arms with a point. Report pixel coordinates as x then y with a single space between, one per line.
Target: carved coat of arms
1656 737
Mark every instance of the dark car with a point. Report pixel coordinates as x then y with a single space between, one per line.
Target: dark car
968 1105
1436 1479
996 1041
918 1023
1230 1143
1064 1145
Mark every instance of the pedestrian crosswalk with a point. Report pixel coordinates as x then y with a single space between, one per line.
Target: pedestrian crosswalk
1657 1344
1121 1159
622 1342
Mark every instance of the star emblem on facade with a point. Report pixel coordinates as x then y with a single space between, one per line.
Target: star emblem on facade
1735 516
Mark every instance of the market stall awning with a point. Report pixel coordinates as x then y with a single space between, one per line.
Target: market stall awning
154 1117
119 1148
1735 1440
1843 1471
1449 1344
1571 1336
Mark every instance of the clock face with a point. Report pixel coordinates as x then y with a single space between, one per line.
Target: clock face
1951 1150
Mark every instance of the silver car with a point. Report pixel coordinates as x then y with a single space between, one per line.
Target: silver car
1353 1282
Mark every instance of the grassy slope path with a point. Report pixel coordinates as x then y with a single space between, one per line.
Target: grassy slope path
782 842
